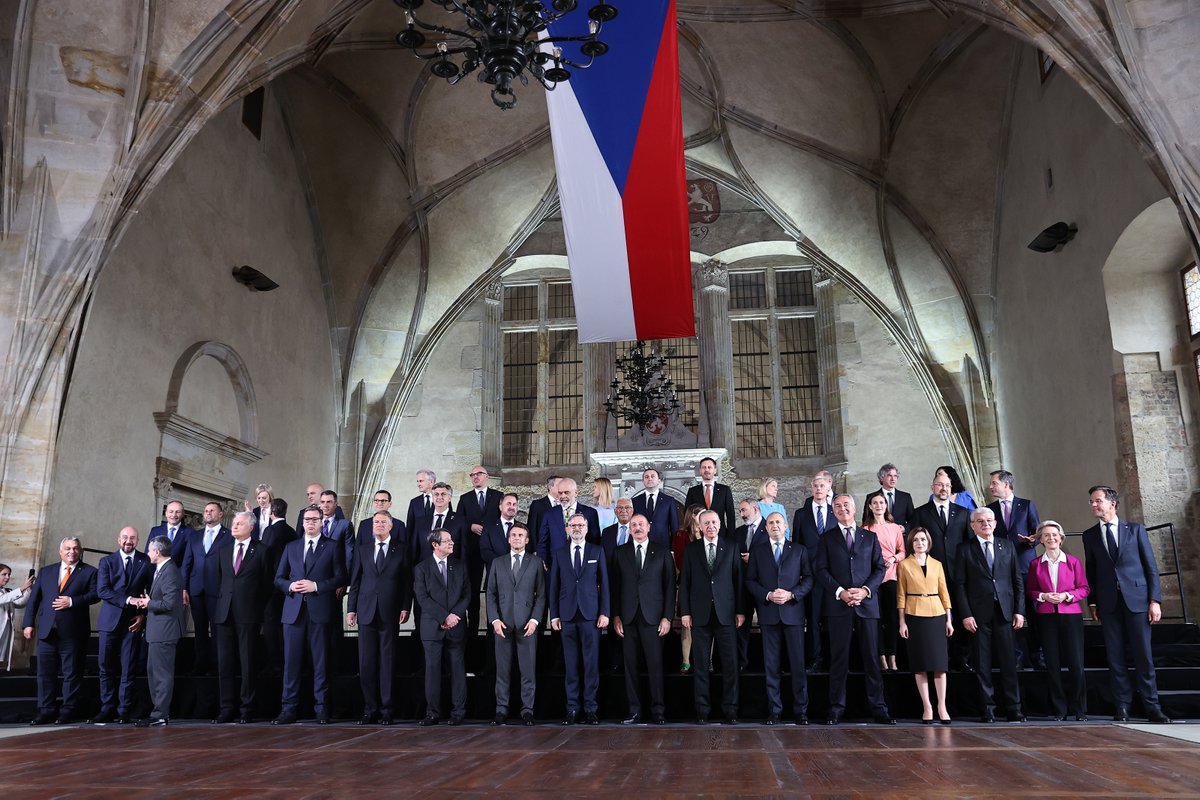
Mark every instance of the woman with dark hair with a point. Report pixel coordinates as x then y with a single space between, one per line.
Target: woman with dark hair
959 494
878 520
923 602
689 531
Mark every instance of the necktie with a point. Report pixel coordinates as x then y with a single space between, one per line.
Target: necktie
208 539
578 561
442 569
987 554
566 515
622 535
850 540
480 495
507 528
237 561
712 555
437 522
427 505
1108 534
379 557
1007 513
639 556
516 565
308 557
890 499
708 495
750 536
778 552
171 533
820 519
650 505
128 569
66 577
942 514
325 527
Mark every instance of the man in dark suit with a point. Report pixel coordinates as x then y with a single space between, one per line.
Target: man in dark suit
1123 576
176 532
899 503
778 577
163 605
643 599
440 586
378 604
711 606
516 600
441 517
479 508
751 532
712 495
382 501
809 524
245 574
494 541
201 584
990 601
657 507
579 607
422 504
58 609
275 537
553 537
122 577
337 528
310 574
849 568
313 497
538 509
1017 521
949 526
611 538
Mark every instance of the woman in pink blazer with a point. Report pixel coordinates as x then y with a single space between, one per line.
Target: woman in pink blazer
878 520
1056 584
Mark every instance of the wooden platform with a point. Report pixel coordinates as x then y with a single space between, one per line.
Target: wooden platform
345 761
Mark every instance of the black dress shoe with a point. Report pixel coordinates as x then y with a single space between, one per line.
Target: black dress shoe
285 718
428 721
455 720
367 719
701 720
572 718
1016 718
224 718
730 721
590 718
42 719
802 719
633 719
104 717
884 719
1159 718
243 720
527 719
834 719
386 719
1121 714
772 720
1081 717
152 722
659 720
987 717
499 719
1058 718
322 720
121 720
927 721
945 721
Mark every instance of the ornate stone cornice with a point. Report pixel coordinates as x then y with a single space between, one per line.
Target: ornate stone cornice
193 433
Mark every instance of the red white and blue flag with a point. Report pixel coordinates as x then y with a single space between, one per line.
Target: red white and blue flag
617 131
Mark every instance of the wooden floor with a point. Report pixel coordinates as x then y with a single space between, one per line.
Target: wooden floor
345 761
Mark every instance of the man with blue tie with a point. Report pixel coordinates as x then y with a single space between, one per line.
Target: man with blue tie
1123 576
751 532
202 584
338 529
809 523
656 507
122 577
579 608
1017 520
778 577
614 536
176 532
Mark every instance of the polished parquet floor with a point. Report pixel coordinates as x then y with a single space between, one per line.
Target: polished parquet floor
199 760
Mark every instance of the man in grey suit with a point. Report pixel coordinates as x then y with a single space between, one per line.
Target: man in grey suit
516 599
440 586
164 627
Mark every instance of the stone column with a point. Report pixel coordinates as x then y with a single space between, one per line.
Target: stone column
599 369
716 354
828 368
491 340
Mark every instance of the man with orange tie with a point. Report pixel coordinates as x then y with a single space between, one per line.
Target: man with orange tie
712 495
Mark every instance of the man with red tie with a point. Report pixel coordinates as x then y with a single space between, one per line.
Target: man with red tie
713 496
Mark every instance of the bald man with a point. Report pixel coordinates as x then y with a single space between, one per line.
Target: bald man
123 576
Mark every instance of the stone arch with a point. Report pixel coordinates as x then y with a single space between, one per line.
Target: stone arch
239 379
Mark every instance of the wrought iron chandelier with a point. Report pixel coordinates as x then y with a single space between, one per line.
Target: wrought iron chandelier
504 41
646 394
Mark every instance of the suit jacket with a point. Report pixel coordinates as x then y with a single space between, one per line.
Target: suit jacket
337 514
199 571
1133 576
262 521
646 595
113 589
418 546
342 532
1072 579
763 576
178 546
760 536
553 535
74 622
914 589
468 507
327 571
977 587
275 538
416 510
439 600
902 507
533 517
514 600
704 594
608 543
665 521
722 503
380 593
494 542
947 538
586 594
805 523
246 593
1025 520
164 612
837 566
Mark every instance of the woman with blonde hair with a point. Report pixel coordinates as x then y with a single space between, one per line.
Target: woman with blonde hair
689 531
604 502
263 495
768 504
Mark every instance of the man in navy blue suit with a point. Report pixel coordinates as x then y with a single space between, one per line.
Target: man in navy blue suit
553 538
478 508
849 568
579 607
900 503
202 584
310 574
778 577
122 577
657 507
176 532
809 523
58 609
1123 576
1017 520
422 504
494 542
382 501
337 528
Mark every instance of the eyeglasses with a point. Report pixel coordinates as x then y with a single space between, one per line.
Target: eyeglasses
477 474
312 519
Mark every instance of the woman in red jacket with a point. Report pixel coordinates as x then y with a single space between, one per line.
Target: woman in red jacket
1056 585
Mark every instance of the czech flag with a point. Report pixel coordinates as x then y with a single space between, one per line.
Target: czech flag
617 132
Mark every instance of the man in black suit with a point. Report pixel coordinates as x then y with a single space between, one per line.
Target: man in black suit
311 575
611 538
274 538
441 517
553 537
712 495
809 524
58 609
579 607
990 601
516 600
1123 576
382 501
245 573
657 507
778 577
313 495
200 585
494 541
711 606
440 586
949 526
122 577
849 568
422 504
377 605
538 509
1017 520
899 503
643 599
751 532
176 532
479 508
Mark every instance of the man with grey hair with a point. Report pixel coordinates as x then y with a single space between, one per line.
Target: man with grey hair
579 607
553 537
163 604
1017 520
809 523
421 506
900 504
245 575
538 508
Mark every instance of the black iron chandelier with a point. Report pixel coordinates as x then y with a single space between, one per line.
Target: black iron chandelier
501 39
646 395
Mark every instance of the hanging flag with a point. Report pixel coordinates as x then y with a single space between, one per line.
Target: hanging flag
617 132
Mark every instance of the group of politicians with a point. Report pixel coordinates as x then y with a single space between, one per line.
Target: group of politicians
958 583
